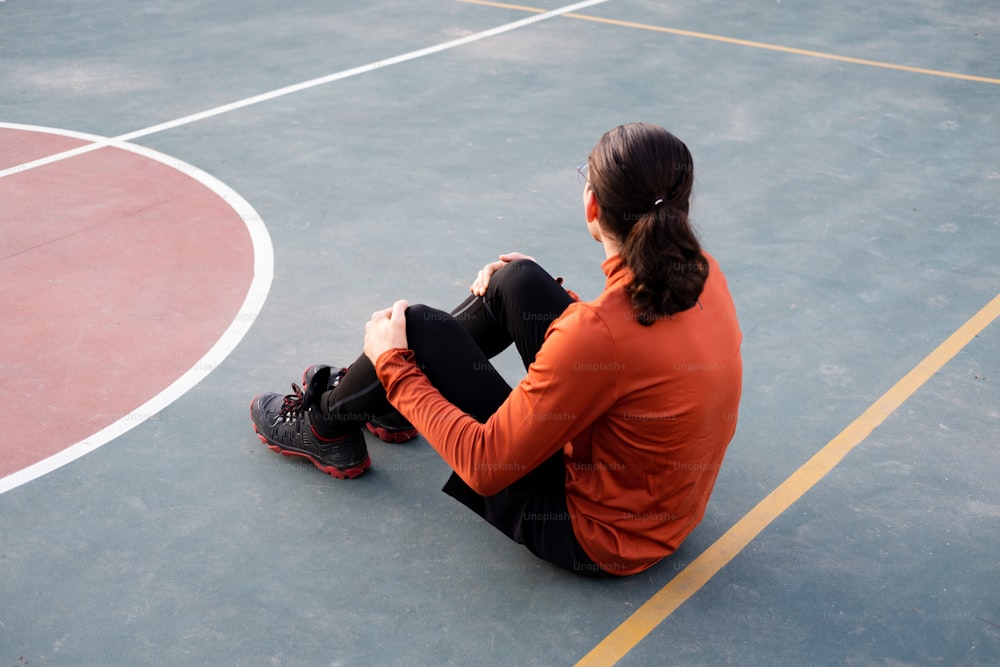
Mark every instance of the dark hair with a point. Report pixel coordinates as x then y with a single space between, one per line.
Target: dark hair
642 176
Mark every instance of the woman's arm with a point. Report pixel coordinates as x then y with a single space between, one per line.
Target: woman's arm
571 383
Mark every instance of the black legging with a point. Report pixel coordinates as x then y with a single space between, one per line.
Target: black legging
453 350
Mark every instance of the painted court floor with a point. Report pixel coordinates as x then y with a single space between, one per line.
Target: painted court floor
199 200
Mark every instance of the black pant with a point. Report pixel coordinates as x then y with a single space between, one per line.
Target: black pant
453 350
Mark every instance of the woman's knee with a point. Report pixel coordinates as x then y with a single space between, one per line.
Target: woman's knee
420 317
521 274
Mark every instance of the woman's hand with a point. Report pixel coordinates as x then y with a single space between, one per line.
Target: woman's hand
483 277
386 330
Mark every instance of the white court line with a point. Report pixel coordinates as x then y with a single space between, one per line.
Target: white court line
263 250
305 85
263 273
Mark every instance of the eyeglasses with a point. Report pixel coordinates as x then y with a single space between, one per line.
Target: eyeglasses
581 173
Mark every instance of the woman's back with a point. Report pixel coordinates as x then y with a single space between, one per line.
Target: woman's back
639 476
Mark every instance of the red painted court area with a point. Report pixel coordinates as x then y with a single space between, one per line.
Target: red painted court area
118 274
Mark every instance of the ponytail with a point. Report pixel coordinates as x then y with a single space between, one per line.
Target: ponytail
667 265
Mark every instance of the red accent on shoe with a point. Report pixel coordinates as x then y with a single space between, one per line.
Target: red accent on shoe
346 473
395 437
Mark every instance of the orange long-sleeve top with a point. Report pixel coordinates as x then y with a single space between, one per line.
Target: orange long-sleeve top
642 414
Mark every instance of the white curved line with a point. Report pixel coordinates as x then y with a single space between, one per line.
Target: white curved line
263 273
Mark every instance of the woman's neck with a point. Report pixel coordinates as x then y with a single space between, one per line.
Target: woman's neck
611 247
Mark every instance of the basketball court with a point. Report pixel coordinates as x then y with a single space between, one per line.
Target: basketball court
199 200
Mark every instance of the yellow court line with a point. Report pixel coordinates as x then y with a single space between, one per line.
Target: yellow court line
723 550
693 577
746 42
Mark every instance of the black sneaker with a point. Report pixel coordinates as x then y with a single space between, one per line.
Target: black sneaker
392 427
293 425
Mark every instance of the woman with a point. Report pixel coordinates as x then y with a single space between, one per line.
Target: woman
602 459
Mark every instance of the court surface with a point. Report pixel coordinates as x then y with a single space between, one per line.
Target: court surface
198 200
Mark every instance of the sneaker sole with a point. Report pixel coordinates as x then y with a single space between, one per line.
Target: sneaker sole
340 473
394 437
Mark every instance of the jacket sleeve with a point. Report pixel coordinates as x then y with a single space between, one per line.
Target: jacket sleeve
572 382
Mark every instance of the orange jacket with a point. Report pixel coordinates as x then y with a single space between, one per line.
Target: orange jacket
643 416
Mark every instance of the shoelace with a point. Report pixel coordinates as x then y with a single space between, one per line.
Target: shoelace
292 405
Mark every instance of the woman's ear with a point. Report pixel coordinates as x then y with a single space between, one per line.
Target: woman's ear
591 208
